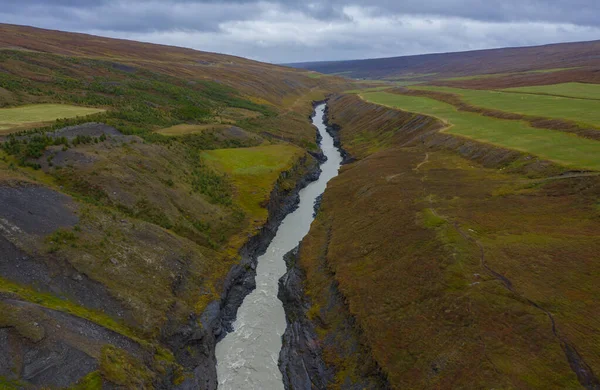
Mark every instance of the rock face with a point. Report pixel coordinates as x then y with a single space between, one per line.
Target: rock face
334 130
46 344
300 360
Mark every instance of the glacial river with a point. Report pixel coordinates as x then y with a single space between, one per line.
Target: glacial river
247 358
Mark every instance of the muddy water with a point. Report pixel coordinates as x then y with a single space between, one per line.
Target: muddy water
247 358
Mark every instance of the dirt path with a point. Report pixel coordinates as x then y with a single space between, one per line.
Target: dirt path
422 163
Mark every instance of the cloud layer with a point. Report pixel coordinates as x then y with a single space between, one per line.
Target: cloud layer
290 31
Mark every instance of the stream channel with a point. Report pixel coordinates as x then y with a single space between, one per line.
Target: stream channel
248 357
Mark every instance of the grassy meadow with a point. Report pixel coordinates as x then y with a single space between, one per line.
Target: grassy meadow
565 149
575 90
557 107
496 75
18 117
253 172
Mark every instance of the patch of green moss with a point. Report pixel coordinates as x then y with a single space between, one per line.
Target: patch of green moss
120 368
431 220
61 238
7 384
92 381
21 321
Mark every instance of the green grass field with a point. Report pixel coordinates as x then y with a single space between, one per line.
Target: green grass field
314 75
576 90
565 149
577 110
494 75
39 113
253 171
372 89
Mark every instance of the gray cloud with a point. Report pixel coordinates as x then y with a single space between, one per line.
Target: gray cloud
286 30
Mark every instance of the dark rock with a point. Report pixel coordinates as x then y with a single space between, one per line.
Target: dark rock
334 130
317 205
87 129
34 210
300 360
64 355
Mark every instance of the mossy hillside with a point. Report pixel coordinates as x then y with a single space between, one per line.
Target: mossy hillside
24 324
22 116
135 212
159 226
292 124
16 318
154 227
368 128
118 367
137 102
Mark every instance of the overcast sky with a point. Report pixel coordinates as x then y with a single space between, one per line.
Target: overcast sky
284 31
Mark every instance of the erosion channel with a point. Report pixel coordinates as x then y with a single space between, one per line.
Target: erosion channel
247 358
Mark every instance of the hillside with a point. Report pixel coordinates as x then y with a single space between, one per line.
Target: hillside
123 225
455 249
553 57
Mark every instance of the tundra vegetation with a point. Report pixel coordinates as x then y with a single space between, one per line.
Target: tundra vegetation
460 244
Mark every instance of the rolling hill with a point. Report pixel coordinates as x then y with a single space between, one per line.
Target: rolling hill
555 57
122 225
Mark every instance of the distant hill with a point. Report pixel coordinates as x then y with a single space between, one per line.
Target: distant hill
265 81
427 66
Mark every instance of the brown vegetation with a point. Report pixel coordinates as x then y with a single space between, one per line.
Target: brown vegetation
450 265
493 61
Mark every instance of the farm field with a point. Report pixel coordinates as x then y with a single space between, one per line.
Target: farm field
577 110
495 75
19 117
576 90
565 149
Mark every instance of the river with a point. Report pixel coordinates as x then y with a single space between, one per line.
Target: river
247 358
